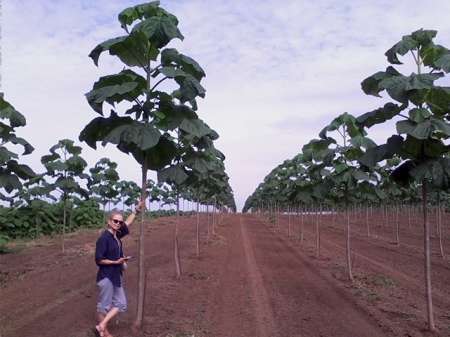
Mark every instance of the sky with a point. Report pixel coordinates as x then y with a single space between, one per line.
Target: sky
276 71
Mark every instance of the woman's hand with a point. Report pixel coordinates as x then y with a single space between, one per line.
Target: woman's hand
140 206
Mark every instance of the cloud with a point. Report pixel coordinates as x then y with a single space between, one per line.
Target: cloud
277 72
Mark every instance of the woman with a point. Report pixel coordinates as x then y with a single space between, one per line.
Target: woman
111 261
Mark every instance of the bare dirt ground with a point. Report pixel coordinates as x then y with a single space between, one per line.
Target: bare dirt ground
251 280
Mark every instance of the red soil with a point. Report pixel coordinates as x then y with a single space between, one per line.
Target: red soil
251 280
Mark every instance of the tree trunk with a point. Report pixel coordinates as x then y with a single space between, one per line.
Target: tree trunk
397 225
409 218
64 223
176 248
198 231
214 219
439 221
302 225
318 214
427 256
207 220
367 221
104 214
141 258
349 252
289 221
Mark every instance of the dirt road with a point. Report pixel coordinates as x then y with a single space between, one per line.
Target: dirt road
247 283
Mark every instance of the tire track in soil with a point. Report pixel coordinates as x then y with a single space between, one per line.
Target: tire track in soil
305 302
263 311
440 298
34 316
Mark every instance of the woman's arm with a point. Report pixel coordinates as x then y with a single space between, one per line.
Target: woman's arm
140 206
107 262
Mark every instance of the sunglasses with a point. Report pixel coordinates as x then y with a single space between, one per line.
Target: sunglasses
120 222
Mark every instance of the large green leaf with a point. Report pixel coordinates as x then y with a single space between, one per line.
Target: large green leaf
361 141
431 53
7 111
379 153
408 43
143 135
371 85
160 30
131 14
419 115
100 127
425 129
396 87
380 115
134 50
174 114
171 57
28 148
6 155
104 46
443 62
401 48
9 182
399 87
421 130
174 174
190 89
438 99
22 171
346 121
127 85
195 127
162 154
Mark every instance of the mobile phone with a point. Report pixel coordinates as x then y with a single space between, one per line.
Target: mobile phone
128 257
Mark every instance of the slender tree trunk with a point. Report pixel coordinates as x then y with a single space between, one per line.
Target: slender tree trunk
141 258
397 225
427 256
104 214
198 231
214 219
439 221
318 215
367 221
289 221
302 210
409 218
176 250
64 223
207 220
349 252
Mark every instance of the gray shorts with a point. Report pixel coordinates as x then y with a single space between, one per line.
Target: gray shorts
110 296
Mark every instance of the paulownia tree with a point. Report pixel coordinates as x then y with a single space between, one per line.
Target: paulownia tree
145 128
339 156
103 182
129 192
12 173
66 166
423 130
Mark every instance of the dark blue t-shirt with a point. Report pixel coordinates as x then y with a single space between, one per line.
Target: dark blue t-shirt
108 248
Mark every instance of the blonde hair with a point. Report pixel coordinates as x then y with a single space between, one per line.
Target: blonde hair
114 212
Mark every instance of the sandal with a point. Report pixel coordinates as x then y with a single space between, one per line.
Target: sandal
97 332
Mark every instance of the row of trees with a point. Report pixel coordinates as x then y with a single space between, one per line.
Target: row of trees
343 166
152 116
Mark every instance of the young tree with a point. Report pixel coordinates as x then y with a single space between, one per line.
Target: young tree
66 166
129 192
103 182
12 173
422 134
146 129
